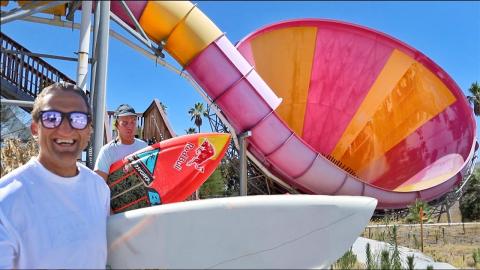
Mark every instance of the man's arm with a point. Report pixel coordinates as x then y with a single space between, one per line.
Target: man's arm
102 174
101 164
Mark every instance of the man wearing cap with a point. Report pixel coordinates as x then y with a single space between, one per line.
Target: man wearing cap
124 144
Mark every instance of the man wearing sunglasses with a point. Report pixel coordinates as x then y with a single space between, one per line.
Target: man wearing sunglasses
124 145
53 210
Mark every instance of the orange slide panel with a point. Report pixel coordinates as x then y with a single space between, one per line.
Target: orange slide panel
285 46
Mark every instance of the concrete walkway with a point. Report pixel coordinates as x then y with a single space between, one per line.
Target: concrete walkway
421 260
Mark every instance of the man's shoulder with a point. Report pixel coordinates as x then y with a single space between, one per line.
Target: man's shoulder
141 142
87 172
16 174
108 145
14 181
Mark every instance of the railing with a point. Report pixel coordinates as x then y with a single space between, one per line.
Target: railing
28 73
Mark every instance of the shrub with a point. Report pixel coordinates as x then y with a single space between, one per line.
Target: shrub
414 212
15 153
470 200
347 261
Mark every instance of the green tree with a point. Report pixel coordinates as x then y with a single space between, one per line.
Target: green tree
414 212
231 176
214 186
470 200
190 130
475 98
197 112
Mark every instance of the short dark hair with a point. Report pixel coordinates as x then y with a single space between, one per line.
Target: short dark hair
65 86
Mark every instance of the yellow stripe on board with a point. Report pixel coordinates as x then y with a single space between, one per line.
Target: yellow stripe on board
405 96
186 30
273 52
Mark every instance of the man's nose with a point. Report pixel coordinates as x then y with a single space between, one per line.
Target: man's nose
65 126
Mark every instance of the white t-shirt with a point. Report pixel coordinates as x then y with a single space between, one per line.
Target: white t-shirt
48 221
114 151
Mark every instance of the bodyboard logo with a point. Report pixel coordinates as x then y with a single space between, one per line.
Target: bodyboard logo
203 153
144 165
183 156
153 197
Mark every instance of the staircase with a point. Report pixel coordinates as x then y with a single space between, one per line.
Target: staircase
22 75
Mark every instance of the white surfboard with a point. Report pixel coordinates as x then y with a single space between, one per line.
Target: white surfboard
276 231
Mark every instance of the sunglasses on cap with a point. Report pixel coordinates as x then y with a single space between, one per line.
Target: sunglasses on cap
52 119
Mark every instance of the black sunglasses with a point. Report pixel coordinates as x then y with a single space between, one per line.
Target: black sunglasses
52 119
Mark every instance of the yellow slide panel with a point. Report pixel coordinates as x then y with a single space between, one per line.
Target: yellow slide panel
272 53
396 66
59 10
418 96
184 28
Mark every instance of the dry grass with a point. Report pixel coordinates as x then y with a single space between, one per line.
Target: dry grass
453 244
15 153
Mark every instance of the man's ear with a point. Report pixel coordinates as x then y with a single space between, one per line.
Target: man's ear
34 128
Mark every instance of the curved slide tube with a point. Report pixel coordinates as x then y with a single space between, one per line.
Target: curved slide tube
248 103
282 146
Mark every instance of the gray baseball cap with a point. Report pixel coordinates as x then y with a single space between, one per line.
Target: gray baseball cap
124 110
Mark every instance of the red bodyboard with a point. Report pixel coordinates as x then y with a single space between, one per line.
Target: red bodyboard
165 172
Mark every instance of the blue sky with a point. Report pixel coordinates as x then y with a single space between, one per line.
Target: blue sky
447 32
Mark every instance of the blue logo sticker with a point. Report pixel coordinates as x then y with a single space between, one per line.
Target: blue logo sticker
149 159
153 197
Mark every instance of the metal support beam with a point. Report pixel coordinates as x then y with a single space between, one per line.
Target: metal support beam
21 103
99 97
41 55
137 24
27 12
145 41
243 161
84 45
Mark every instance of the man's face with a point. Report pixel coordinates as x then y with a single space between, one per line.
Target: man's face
127 126
60 147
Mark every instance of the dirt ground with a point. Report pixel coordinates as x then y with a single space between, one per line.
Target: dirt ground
453 244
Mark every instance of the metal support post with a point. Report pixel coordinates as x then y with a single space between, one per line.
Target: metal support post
84 45
93 67
99 97
93 74
243 161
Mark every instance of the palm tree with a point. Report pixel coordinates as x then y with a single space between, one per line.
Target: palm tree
190 130
197 112
475 99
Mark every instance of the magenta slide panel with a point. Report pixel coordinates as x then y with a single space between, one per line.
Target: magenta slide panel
334 97
136 7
